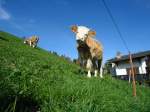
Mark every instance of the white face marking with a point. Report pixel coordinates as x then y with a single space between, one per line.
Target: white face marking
82 32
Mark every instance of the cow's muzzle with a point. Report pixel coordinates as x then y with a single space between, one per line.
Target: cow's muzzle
80 42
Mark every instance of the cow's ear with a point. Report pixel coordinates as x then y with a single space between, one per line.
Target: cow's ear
91 33
74 28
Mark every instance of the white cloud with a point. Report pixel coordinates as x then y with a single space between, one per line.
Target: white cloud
12 20
3 13
17 26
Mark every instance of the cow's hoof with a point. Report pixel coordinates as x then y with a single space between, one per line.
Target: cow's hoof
101 76
89 76
95 75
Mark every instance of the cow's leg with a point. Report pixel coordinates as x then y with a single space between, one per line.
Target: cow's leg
34 45
30 43
101 72
100 67
89 67
81 62
95 66
80 58
95 74
25 42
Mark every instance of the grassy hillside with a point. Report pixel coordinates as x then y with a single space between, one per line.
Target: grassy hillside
34 80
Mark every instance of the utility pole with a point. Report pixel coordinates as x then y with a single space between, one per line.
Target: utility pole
133 75
125 44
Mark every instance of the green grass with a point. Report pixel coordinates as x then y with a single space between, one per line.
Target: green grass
33 79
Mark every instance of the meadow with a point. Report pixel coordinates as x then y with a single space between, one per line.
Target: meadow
33 79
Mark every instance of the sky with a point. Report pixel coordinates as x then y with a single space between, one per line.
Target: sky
51 21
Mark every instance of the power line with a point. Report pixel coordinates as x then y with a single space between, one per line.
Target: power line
125 44
116 26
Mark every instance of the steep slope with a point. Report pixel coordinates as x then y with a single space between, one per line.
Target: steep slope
33 79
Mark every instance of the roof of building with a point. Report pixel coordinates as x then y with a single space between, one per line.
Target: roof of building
134 55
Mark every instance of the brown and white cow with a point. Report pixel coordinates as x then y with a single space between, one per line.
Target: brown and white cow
90 50
32 41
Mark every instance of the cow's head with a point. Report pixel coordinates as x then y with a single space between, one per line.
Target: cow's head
82 33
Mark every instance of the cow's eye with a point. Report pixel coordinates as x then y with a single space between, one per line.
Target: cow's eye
82 39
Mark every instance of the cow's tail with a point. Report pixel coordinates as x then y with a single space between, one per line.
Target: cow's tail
100 67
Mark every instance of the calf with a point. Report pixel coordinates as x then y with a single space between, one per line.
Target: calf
32 41
90 50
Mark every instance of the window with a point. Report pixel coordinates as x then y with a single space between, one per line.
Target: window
136 70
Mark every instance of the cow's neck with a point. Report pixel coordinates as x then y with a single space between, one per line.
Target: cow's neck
82 46
89 41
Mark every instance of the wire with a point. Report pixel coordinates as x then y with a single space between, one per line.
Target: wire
116 26
125 44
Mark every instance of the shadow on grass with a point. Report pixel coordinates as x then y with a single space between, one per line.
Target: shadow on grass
18 104
2 38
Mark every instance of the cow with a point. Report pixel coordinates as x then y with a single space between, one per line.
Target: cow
90 51
32 41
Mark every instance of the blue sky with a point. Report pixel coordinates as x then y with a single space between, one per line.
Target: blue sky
51 21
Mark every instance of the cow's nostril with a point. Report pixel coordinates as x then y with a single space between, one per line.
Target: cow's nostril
79 41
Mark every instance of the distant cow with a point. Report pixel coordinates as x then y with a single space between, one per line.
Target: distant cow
90 50
32 41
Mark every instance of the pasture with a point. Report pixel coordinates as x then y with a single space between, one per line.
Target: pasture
34 80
